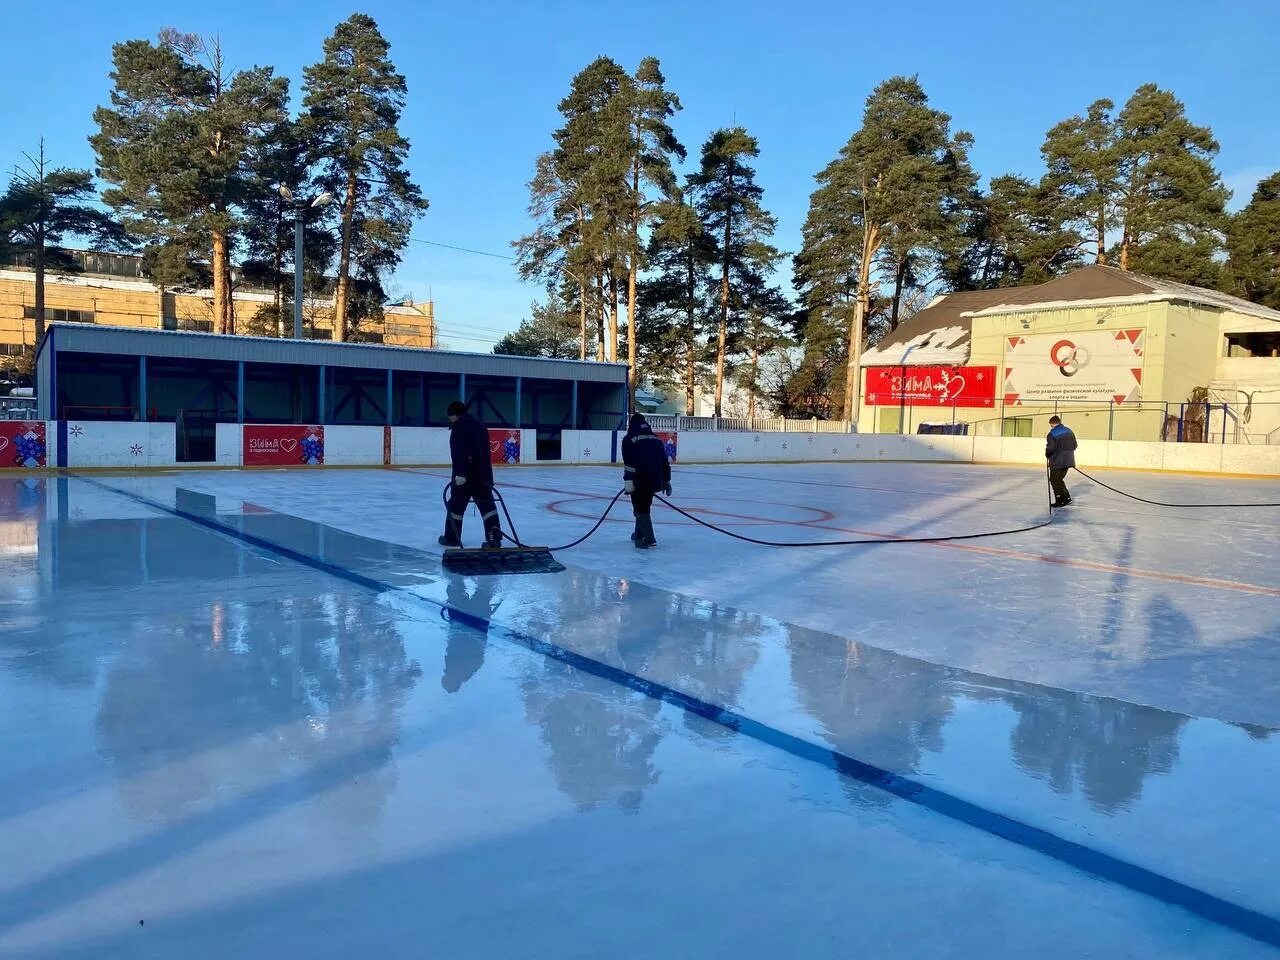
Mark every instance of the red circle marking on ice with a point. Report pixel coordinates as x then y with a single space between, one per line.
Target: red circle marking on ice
820 516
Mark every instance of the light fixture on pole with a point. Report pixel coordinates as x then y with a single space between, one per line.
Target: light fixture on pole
300 208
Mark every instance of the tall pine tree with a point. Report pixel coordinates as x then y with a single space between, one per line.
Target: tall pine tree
1145 174
174 146
901 183
653 146
675 301
353 101
728 203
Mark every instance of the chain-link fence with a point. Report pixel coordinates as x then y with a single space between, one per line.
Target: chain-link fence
748 424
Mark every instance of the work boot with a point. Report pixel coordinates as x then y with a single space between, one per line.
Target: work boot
644 534
493 538
452 536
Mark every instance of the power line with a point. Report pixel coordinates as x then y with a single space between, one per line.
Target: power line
450 246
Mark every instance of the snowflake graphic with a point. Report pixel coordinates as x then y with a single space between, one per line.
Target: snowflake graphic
728 449
136 449
980 376
834 450
784 446
77 430
77 514
755 439
586 452
809 439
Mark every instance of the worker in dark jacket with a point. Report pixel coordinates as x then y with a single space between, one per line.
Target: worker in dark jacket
472 478
647 472
1060 451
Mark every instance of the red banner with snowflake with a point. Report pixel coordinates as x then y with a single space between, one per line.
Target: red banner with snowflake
938 386
283 445
22 443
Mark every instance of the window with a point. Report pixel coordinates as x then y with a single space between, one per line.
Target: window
1015 427
1252 345
319 334
59 315
11 350
188 323
405 329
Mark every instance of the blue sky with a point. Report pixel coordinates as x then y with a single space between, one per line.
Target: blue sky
485 78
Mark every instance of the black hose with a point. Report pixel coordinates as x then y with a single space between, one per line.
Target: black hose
852 543
1162 503
514 537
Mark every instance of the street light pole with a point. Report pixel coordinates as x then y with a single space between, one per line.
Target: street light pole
299 220
300 208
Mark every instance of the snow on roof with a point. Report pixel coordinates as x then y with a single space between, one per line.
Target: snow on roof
944 345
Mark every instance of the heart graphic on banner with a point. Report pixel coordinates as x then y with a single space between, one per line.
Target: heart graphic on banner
4 442
495 446
955 387
288 445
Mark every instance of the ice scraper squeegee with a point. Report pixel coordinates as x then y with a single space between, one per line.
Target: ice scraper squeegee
518 558
496 561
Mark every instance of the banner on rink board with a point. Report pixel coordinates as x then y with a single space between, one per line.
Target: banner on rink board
22 443
283 445
1096 365
936 386
504 446
668 438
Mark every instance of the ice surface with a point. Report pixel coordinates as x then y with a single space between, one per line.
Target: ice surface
255 756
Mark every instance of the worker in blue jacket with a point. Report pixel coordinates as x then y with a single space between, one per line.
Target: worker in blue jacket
472 478
1060 452
647 472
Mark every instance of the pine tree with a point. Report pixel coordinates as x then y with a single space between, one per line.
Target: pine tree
1080 154
175 142
1171 200
1016 236
654 144
901 183
268 227
551 330
728 204
675 303
1254 243
353 102
44 206
580 197
1146 173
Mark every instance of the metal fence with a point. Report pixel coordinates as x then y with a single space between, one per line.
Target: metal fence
1213 422
17 408
753 425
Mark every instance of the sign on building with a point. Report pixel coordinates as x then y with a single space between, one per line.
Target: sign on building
1095 365
283 445
939 386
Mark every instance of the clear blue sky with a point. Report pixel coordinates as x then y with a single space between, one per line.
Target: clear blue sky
485 78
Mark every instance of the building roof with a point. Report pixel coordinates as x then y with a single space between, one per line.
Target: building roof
937 334
96 282
129 341
1099 285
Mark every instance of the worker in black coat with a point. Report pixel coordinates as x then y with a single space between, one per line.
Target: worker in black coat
1060 453
472 478
647 472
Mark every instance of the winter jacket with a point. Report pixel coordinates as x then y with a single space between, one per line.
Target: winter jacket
645 457
1060 448
469 449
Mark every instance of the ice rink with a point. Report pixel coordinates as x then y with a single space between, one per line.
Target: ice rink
245 714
